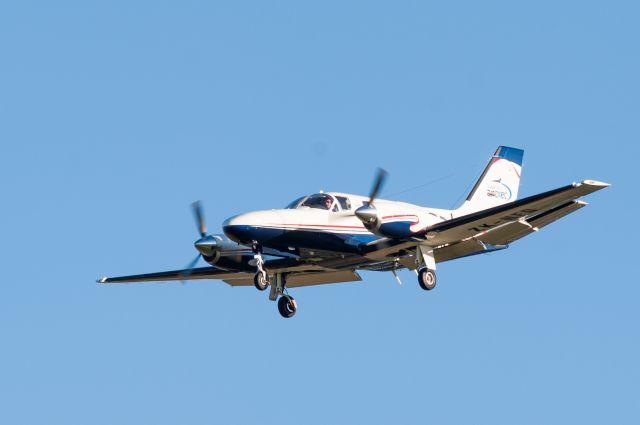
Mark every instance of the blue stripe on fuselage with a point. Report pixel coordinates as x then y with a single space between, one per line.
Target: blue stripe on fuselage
282 239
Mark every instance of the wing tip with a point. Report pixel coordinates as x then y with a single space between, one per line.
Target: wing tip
596 183
103 279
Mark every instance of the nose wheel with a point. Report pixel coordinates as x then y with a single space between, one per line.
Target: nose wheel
287 306
427 278
261 280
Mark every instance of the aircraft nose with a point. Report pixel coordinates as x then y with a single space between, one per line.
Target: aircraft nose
254 226
238 228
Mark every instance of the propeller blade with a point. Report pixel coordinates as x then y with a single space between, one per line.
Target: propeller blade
196 207
378 182
189 269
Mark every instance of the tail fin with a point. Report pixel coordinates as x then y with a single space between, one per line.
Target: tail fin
499 182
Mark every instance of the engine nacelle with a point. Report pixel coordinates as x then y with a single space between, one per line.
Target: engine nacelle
391 225
222 252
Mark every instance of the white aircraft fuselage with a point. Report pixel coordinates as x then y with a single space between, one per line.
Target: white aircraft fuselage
335 228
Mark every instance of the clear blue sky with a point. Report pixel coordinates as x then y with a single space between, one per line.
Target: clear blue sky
114 116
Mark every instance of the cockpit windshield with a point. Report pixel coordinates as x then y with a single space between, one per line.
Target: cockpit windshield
294 204
320 201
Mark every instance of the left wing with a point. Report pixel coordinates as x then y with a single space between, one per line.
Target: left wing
297 275
184 274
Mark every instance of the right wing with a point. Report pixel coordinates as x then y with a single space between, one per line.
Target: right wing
487 230
475 224
500 237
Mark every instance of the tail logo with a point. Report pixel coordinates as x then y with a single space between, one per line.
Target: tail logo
497 189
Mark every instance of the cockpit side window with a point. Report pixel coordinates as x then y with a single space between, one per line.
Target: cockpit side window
345 203
294 204
320 201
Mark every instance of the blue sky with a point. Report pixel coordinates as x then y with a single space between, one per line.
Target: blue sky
116 115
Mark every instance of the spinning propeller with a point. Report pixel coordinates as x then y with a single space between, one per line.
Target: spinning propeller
206 245
368 213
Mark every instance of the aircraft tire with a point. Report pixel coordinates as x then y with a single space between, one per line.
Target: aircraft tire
261 281
287 306
427 279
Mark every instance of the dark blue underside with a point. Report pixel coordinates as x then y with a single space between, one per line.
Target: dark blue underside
282 240
397 229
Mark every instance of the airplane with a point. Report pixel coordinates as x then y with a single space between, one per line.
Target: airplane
326 238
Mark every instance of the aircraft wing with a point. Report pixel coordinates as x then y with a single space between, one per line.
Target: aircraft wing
500 237
485 231
184 274
296 275
513 218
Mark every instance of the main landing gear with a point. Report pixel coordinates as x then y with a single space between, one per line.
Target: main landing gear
426 278
287 305
426 267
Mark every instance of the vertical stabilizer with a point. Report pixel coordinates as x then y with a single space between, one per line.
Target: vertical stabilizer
499 182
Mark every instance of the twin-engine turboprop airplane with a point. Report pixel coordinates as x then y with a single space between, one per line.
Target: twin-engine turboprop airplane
326 237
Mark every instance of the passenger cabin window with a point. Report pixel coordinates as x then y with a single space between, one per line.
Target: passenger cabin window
345 203
320 201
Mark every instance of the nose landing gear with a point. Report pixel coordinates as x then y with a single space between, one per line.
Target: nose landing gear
261 278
